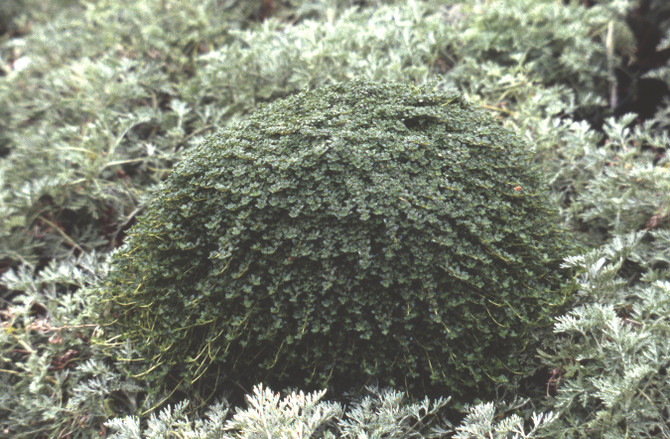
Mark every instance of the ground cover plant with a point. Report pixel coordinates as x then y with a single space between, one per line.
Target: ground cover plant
379 232
99 100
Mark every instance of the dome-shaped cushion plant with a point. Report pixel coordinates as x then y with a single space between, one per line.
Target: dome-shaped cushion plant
356 232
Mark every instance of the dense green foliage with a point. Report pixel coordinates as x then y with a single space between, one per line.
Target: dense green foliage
99 98
352 233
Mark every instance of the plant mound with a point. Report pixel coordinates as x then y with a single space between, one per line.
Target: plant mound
352 234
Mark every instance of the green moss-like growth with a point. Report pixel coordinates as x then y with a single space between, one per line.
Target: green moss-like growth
356 232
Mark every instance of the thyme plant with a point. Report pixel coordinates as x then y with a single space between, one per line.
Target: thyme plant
378 232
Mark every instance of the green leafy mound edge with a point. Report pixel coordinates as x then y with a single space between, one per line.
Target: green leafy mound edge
357 233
